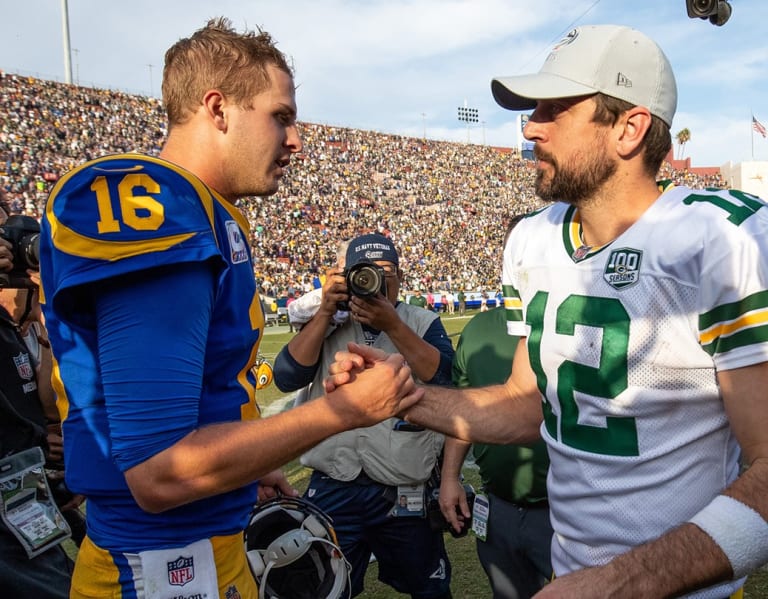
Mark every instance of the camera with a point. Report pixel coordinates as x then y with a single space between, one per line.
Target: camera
23 232
717 11
364 279
437 521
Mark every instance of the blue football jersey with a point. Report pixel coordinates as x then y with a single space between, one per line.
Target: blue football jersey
125 215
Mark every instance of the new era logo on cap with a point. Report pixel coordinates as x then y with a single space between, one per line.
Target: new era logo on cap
622 79
618 61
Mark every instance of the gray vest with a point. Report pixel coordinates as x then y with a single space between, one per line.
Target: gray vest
386 455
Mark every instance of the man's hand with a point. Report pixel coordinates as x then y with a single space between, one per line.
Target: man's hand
6 256
368 385
35 309
377 312
453 495
55 443
334 291
274 484
348 363
34 276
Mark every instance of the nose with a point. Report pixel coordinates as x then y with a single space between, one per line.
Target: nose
533 130
293 139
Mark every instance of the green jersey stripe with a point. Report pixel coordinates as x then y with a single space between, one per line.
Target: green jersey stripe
732 311
743 338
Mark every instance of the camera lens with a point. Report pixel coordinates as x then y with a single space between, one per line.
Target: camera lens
365 281
29 249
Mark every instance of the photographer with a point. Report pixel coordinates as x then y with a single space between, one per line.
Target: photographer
26 406
361 476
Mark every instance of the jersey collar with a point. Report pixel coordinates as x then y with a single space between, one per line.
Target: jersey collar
572 232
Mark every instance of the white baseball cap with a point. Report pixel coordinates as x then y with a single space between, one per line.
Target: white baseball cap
618 61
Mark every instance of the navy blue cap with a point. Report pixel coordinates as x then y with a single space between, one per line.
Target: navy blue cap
371 248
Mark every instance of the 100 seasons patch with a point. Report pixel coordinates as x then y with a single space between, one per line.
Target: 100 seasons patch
623 267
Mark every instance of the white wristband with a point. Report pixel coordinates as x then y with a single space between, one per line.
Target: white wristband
738 530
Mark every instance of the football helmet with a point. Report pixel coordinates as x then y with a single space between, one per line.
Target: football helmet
262 370
293 551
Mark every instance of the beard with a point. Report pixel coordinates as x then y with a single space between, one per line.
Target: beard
574 181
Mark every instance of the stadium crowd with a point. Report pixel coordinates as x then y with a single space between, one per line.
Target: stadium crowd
448 202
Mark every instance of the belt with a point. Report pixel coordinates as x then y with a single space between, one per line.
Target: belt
522 503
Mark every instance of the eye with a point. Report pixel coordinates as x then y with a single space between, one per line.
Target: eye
556 108
285 118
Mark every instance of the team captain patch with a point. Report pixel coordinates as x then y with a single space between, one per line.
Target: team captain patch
623 268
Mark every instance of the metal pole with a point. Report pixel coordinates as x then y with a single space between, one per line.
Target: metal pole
67 51
76 52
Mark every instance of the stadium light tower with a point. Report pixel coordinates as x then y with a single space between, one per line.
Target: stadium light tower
468 115
65 35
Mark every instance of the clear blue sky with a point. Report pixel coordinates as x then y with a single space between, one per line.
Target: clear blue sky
405 66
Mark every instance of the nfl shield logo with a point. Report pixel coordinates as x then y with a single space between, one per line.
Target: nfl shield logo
23 366
232 593
238 251
181 571
623 268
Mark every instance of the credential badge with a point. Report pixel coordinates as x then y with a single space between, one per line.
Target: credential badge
623 267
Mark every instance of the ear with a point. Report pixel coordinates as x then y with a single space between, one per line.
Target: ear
214 104
632 127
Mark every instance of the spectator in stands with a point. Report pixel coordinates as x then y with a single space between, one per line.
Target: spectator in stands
47 128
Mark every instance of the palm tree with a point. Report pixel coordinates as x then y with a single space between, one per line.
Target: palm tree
682 137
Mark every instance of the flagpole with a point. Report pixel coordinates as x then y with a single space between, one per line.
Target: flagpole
752 132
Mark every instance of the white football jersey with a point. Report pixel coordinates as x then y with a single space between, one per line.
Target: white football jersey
625 341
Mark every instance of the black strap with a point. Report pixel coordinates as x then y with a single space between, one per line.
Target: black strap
18 433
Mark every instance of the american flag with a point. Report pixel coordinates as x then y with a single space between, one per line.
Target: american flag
758 126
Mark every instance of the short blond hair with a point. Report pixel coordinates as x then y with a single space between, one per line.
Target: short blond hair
217 57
